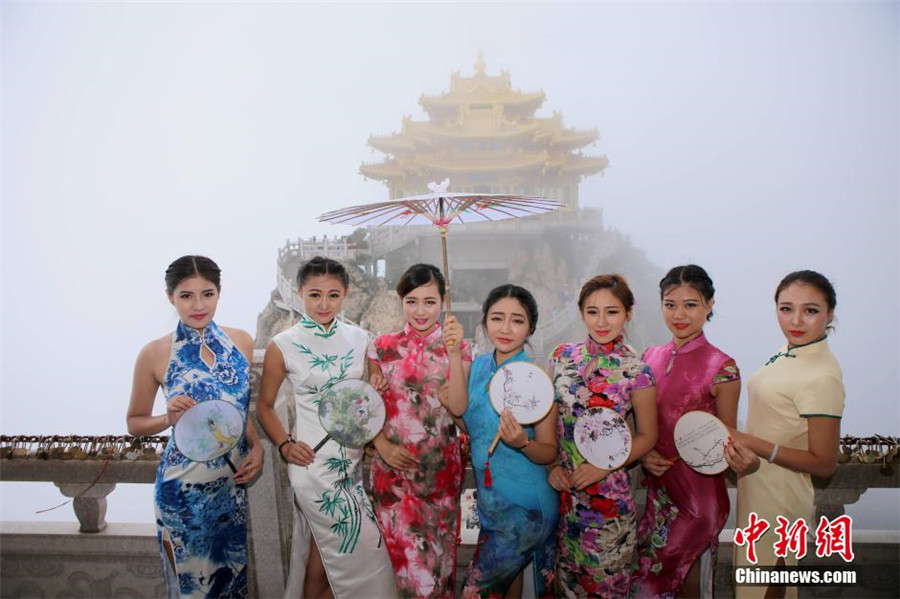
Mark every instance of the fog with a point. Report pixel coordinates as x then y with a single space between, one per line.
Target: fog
751 138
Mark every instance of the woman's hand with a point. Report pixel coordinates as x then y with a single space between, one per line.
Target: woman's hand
396 456
298 452
740 458
511 431
559 479
453 335
655 463
586 475
443 394
378 380
251 466
176 407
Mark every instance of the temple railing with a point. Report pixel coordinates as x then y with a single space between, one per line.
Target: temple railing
44 559
87 469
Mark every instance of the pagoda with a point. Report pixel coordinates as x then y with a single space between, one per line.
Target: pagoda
484 136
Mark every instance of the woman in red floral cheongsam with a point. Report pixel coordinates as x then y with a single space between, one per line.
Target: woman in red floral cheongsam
417 472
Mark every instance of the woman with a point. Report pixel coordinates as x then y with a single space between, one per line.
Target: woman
337 547
201 507
517 508
679 532
793 421
596 534
417 472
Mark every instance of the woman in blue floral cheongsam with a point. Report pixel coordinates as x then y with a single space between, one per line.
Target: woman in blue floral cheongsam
201 507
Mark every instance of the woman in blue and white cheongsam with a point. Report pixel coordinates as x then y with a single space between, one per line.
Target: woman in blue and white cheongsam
201 507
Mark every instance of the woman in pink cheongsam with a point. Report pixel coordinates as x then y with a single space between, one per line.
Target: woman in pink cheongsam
679 532
417 472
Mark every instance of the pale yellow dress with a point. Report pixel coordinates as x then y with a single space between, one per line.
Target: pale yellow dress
797 384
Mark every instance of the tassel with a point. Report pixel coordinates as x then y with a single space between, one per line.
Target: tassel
488 483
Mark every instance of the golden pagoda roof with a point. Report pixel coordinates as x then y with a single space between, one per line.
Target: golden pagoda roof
418 134
431 165
482 124
480 90
585 165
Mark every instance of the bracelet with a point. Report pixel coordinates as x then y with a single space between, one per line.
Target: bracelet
527 443
774 454
290 439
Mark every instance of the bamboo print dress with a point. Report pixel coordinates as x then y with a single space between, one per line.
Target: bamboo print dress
418 510
199 508
597 525
331 504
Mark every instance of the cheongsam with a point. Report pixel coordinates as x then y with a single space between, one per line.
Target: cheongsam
331 505
517 511
199 508
796 384
418 509
597 525
686 510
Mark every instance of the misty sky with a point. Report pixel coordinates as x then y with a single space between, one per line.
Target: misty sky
751 138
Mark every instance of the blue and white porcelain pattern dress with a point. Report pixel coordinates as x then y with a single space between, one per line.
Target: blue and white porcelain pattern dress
199 508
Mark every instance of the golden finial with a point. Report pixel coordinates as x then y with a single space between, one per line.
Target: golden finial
479 63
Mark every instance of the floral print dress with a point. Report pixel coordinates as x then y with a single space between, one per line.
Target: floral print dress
518 511
418 510
199 508
331 505
596 534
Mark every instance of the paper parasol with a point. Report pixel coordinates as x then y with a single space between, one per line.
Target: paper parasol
442 208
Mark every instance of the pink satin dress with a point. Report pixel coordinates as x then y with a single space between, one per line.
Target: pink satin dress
686 510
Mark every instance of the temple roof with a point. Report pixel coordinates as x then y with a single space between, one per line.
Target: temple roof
483 125
429 166
481 89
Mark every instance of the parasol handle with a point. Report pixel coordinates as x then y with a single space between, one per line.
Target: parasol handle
494 444
443 231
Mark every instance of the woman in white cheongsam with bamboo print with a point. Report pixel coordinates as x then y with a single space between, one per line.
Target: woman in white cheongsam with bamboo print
337 549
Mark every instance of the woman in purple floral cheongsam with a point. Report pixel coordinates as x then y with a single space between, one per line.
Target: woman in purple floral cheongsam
596 532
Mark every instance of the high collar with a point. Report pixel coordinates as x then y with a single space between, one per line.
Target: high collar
597 349
807 349
317 329
811 347
695 343
206 336
420 339
517 357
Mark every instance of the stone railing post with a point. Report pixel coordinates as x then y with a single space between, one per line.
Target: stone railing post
89 504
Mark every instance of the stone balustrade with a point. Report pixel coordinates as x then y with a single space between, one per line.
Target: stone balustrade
117 560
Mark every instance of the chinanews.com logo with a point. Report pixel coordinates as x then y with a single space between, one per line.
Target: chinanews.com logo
832 537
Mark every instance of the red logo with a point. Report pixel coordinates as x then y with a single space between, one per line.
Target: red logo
832 536
791 539
748 536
